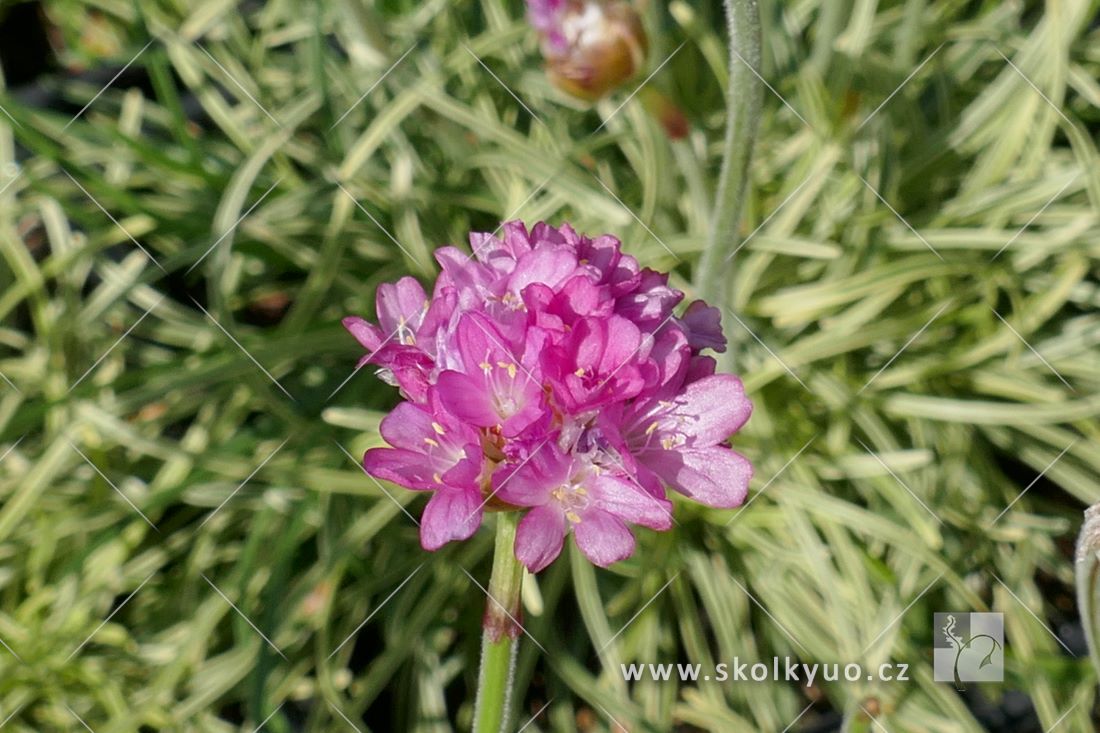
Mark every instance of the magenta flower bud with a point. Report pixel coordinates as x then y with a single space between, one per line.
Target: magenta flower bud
590 46
548 374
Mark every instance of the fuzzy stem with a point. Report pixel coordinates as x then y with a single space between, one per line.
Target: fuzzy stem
501 627
743 101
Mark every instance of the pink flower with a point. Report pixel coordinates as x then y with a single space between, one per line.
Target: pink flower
433 451
679 439
549 374
403 342
594 363
495 386
401 309
570 492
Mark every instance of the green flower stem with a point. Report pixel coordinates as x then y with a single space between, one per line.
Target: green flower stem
498 641
743 101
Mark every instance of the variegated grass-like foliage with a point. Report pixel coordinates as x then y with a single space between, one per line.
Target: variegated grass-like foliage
913 309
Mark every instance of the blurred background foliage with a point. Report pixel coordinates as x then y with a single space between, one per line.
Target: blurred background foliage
186 543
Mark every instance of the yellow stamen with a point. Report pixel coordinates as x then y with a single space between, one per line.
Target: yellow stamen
438 429
509 366
651 428
437 478
672 441
407 338
573 517
579 372
432 442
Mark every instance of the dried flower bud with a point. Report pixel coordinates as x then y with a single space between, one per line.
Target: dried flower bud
591 46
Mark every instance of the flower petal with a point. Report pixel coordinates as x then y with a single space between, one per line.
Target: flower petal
547 266
529 482
623 343
472 281
465 397
539 537
402 467
651 301
367 334
466 472
715 476
630 502
406 427
589 341
709 410
703 325
603 538
401 306
451 514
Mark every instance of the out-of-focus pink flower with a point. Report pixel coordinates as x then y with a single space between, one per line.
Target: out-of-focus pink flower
590 46
548 373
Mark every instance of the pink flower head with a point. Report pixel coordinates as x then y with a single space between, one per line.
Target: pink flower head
548 373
